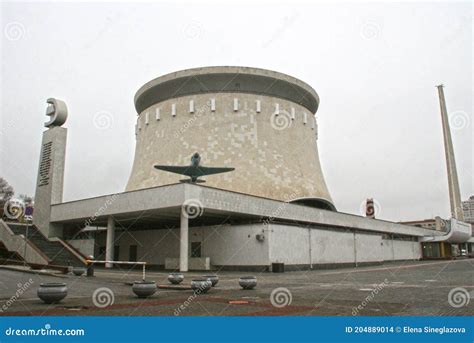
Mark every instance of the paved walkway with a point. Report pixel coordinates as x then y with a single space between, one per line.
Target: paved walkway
407 288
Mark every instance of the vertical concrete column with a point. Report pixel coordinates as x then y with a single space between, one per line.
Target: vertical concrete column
310 249
355 249
442 252
393 248
184 242
49 184
453 183
109 245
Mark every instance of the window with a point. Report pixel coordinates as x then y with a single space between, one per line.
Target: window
116 253
132 253
195 249
101 253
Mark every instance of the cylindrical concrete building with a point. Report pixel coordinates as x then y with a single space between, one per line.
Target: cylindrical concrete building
258 121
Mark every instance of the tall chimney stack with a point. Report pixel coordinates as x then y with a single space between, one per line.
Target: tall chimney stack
453 183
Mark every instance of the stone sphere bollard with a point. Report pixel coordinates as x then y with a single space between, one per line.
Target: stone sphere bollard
175 278
201 285
144 289
78 271
213 278
52 293
248 282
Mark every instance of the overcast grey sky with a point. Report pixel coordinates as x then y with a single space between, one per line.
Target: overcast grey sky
374 66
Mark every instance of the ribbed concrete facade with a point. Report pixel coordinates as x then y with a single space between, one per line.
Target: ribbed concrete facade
259 122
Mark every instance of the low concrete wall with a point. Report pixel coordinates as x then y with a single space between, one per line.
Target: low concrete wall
388 252
290 245
329 247
235 245
395 249
407 250
368 248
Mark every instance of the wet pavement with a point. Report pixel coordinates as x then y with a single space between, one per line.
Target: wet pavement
404 288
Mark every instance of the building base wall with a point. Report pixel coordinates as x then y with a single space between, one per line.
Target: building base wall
254 247
294 245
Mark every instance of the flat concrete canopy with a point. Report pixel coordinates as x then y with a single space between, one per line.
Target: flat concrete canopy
160 207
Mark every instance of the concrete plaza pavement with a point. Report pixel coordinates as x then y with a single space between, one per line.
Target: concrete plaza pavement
403 288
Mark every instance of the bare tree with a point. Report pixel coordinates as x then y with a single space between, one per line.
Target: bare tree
26 199
6 191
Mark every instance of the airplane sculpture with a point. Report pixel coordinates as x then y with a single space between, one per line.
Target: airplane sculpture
195 170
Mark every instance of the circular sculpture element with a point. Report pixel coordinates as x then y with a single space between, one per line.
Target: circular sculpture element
258 121
52 293
248 282
175 278
144 289
201 285
57 111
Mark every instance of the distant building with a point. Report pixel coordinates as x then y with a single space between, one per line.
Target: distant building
439 249
468 210
436 223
